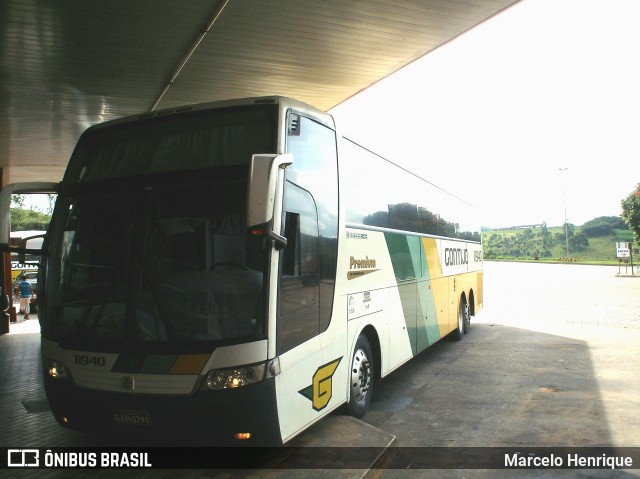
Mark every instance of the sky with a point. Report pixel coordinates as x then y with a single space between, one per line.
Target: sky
532 113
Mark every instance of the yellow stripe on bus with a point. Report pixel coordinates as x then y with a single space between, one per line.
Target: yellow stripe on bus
189 364
439 285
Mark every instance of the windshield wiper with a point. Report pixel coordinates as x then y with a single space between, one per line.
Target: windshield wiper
152 277
82 324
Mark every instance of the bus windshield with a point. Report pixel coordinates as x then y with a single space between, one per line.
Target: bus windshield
156 264
189 141
159 258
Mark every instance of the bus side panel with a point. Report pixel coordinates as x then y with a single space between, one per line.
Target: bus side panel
458 265
408 288
476 279
415 289
373 297
441 299
301 397
431 275
479 295
314 376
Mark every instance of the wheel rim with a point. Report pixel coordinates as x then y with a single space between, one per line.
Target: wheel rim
360 376
467 316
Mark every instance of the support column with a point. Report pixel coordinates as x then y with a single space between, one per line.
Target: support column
5 269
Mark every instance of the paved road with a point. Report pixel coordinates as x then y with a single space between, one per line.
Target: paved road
552 360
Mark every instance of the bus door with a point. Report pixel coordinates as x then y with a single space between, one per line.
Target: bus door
304 386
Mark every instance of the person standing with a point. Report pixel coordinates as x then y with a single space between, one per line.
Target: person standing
26 292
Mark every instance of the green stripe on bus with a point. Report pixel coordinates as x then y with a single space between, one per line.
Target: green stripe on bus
412 275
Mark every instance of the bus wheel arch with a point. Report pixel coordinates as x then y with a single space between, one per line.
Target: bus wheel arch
374 341
364 371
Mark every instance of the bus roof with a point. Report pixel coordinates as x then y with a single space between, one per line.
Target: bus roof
284 103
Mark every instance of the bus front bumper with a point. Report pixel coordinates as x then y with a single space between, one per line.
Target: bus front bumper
208 418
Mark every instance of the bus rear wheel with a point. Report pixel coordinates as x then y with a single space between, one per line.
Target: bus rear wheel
361 378
463 320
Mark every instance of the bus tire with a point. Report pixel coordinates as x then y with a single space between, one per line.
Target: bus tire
360 378
463 320
467 317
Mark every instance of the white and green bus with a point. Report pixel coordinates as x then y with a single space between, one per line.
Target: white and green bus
241 269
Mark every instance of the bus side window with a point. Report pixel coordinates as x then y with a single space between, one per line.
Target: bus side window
299 310
311 219
291 261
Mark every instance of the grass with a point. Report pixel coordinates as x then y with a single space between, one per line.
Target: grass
601 250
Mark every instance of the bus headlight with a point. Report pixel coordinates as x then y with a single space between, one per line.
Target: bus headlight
232 378
56 369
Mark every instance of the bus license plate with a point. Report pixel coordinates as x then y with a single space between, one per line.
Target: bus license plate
131 418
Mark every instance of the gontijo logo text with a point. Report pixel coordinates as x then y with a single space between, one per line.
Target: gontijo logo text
455 256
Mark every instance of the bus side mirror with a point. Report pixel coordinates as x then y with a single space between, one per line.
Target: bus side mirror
31 245
264 196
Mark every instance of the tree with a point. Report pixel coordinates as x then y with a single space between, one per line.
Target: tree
603 226
23 220
547 240
579 242
17 201
51 199
631 212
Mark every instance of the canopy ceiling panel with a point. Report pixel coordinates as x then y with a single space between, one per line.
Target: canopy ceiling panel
67 64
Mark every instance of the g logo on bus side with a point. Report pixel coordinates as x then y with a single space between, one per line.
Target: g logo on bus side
321 389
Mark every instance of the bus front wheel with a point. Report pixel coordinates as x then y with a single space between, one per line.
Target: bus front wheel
361 378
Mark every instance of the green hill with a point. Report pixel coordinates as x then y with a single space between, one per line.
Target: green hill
594 242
